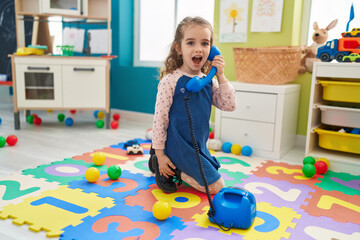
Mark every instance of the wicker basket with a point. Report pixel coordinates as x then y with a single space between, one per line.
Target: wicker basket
267 65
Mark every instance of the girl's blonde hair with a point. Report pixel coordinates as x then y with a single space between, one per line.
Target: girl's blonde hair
174 60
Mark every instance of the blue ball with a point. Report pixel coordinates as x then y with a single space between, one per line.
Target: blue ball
246 151
0 121
69 122
96 113
226 147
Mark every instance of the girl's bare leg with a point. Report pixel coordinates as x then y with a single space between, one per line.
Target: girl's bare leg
213 188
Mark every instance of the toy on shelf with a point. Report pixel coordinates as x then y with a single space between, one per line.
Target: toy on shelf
135 150
354 57
65 50
338 48
31 50
114 172
319 37
161 210
355 32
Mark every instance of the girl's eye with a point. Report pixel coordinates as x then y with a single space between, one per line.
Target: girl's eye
205 44
190 43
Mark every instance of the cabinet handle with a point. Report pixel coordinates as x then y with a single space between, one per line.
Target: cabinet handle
38 68
84 69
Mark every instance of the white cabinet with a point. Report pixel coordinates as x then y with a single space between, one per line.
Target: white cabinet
61 83
334 106
265 119
71 7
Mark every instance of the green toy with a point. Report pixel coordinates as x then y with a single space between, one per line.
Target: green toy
309 159
61 117
114 172
309 170
100 123
2 141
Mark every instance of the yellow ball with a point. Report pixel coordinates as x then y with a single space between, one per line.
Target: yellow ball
98 158
161 210
324 160
92 174
100 115
236 149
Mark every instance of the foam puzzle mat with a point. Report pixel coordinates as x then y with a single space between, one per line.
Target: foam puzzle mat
56 198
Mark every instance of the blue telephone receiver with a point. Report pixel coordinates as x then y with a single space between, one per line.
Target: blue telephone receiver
196 84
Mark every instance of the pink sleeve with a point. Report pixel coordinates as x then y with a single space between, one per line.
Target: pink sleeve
163 104
224 96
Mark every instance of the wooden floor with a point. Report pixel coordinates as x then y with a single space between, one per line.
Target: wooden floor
53 141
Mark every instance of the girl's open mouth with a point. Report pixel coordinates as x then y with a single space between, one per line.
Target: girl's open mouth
197 60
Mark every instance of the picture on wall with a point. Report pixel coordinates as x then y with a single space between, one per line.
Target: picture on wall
233 20
266 15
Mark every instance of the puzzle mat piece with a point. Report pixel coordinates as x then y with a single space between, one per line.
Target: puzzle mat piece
16 187
113 156
10 231
236 163
185 202
340 207
55 209
123 222
270 222
231 178
62 171
146 144
278 193
287 172
310 227
126 185
342 182
140 165
192 231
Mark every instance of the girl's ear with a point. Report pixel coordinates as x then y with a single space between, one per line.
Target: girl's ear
178 48
332 24
315 26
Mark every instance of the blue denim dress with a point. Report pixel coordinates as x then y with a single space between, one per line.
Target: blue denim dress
178 146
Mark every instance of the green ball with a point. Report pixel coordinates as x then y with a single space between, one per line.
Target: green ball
2 141
309 159
100 123
309 170
114 172
30 119
61 117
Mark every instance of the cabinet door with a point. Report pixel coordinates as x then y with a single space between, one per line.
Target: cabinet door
71 7
84 86
38 85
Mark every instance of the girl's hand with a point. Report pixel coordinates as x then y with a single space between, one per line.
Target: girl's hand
219 63
165 165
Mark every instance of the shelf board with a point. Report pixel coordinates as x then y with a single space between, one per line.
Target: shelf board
61 15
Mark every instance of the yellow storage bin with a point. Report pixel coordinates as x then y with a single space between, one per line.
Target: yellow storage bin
333 140
341 91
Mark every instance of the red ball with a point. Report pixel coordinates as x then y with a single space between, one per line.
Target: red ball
211 135
114 124
72 111
116 117
37 121
11 140
321 167
34 115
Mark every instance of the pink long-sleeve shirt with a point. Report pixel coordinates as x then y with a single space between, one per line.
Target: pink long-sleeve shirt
223 98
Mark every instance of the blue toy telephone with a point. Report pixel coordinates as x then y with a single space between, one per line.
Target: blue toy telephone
196 84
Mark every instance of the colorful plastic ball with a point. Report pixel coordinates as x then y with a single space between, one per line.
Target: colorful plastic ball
30 119
324 160
236 149
2 141
34 115
309 170
226 147
61 117
0 121
116 116
246 151
161 210
114 172
11 140
98 158
37 121
114 124
321 167
72 111
211 135
49 110
100 115
100 123
149 134
309 159
96 113
92 174
69 121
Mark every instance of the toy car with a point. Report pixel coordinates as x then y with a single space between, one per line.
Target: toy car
355 32
130 143
135 150
354 57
